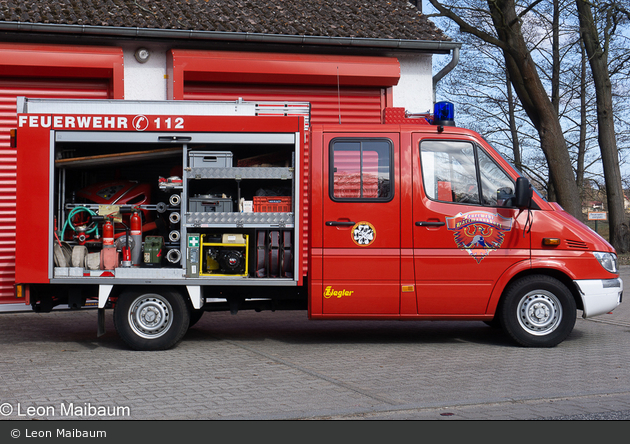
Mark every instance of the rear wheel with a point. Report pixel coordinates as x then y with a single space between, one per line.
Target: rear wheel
151 320
538 311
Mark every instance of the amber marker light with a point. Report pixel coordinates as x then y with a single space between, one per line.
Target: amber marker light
551 242
13 138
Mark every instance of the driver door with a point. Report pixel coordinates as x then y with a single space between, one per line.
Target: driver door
465 237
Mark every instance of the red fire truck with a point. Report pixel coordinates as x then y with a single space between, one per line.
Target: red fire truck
165 210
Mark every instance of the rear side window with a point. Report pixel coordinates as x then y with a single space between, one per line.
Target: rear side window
361 169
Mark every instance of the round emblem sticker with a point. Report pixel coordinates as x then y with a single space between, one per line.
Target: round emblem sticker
363 233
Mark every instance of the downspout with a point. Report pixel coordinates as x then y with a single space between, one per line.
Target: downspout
444 71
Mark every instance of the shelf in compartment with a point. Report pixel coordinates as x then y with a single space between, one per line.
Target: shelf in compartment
240 220
281 173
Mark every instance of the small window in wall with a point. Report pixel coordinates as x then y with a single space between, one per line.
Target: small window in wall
361 169
460 172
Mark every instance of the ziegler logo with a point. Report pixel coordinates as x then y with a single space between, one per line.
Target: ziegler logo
478 232
329 292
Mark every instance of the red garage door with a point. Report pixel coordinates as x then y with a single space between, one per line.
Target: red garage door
328 105
10 88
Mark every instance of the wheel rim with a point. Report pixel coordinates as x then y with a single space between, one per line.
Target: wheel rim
539 312
150 316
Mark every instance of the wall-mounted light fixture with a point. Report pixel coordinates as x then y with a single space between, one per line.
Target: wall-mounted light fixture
142 55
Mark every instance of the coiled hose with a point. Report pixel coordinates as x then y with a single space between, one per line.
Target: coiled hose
69 221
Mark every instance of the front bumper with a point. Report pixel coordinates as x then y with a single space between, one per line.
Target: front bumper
599 296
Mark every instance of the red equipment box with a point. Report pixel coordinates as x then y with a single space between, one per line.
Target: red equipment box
272 204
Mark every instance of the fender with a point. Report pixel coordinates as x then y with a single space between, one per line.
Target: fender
502 282
555 264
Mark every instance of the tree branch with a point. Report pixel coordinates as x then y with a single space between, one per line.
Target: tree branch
467 27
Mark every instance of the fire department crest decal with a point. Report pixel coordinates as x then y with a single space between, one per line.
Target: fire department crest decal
478 232
363 233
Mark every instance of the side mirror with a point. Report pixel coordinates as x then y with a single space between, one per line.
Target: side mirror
523 193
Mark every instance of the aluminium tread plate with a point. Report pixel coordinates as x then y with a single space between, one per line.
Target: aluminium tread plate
261 220
240 173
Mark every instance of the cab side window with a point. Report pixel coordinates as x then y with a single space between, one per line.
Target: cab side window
361 169
461 172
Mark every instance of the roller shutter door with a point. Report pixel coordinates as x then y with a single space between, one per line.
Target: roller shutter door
355 105
10 88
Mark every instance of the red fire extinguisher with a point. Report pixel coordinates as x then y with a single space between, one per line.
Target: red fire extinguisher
109 254
108 234
136 234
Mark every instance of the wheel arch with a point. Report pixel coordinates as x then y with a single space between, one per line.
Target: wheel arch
119 289
518 272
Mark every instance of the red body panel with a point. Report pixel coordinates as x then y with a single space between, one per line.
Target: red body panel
32 242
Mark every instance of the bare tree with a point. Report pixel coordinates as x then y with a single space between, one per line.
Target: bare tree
508 36
597 51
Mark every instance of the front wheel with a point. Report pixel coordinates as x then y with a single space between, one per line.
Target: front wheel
538 311
151 320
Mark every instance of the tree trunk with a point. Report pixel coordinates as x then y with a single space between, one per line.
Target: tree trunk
516 148
555 57
555 81
536 103
582 138
606 127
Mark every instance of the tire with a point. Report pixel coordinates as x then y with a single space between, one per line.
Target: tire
195 316
151 320
494 323
538 311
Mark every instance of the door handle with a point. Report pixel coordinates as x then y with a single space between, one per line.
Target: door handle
334 223
424 223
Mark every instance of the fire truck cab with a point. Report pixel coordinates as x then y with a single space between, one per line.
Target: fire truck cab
165 210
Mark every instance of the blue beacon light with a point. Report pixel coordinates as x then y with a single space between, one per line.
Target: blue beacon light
444 114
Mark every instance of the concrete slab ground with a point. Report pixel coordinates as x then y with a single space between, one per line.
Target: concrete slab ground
280 365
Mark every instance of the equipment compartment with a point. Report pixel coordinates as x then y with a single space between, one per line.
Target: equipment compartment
151 203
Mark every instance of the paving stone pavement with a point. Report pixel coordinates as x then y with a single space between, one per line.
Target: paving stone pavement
260 366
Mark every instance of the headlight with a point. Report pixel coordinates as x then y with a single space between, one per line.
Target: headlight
607 260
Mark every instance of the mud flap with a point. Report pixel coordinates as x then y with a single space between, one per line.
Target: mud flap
101 322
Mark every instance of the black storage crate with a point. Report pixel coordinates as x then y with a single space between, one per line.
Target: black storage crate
209 204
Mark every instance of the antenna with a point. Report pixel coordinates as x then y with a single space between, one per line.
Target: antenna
338 96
